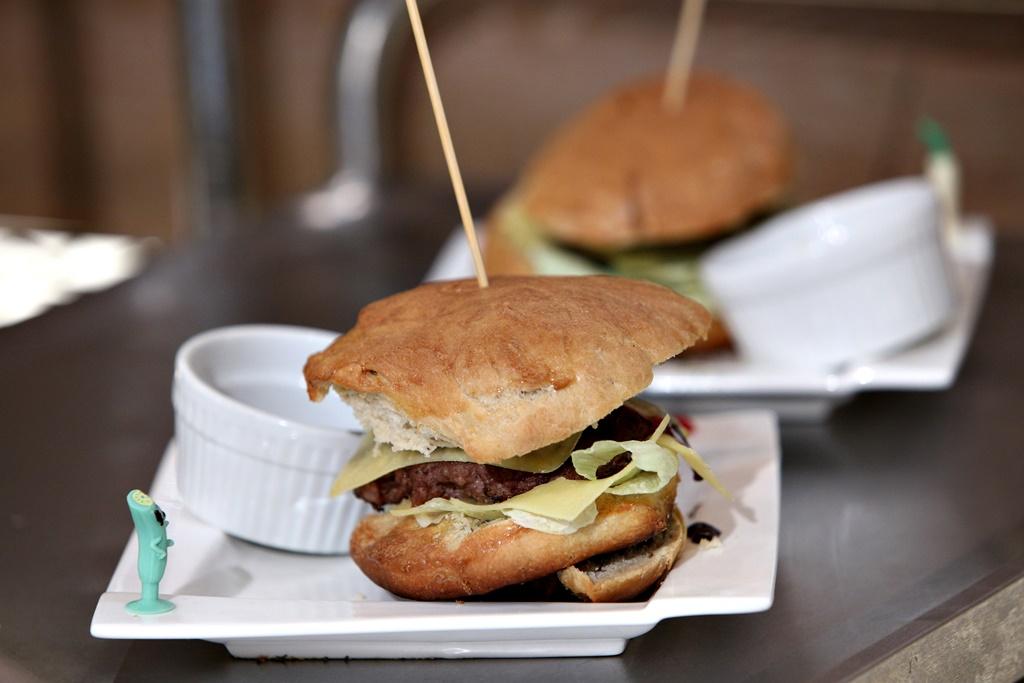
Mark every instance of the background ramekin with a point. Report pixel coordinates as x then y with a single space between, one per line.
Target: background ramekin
256 458
847 277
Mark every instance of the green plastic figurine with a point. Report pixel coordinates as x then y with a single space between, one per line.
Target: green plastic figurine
943 171
932 136
151 527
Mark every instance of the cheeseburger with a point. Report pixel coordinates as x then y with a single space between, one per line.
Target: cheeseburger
504 443
630 187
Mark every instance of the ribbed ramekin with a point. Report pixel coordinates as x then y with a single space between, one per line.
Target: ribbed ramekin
850 276
255 457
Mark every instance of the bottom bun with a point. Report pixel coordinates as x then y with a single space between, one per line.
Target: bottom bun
627 573
459 556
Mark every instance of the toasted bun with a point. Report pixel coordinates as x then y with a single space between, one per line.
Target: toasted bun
627 573
628 171
459 557
508 369
503 257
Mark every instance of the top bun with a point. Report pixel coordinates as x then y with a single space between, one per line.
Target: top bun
508 369
627 171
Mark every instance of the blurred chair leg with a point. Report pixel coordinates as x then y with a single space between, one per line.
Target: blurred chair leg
215 173
369 55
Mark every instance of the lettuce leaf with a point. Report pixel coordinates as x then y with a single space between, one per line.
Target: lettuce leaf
657 466
586 462
677 268
560 506
563 505
374 460
550 525
529 520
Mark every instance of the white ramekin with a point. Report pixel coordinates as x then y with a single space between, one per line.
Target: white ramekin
256 457
847 277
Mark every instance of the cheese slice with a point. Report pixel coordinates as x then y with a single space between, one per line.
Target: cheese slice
561 499
558 506
374 460
652 466
696 463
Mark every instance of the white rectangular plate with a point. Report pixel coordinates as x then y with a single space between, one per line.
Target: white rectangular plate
262 602
724 380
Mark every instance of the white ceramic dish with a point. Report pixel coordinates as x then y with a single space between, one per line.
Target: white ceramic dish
725 381
846 277
257 457
260 602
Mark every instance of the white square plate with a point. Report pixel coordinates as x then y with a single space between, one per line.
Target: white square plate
725 381
262 602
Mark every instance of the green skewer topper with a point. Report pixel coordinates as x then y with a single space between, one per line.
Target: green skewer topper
151 527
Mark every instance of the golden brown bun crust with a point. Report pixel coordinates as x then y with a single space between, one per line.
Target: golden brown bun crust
627 171
631 571
502 257
508 369
447 560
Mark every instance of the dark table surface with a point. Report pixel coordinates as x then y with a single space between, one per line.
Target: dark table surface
899 512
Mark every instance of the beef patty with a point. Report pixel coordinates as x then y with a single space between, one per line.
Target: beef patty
471 482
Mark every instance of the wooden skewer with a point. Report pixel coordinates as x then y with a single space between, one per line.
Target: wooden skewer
683 48
446 141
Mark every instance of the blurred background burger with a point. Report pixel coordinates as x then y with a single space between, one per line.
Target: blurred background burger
631 186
